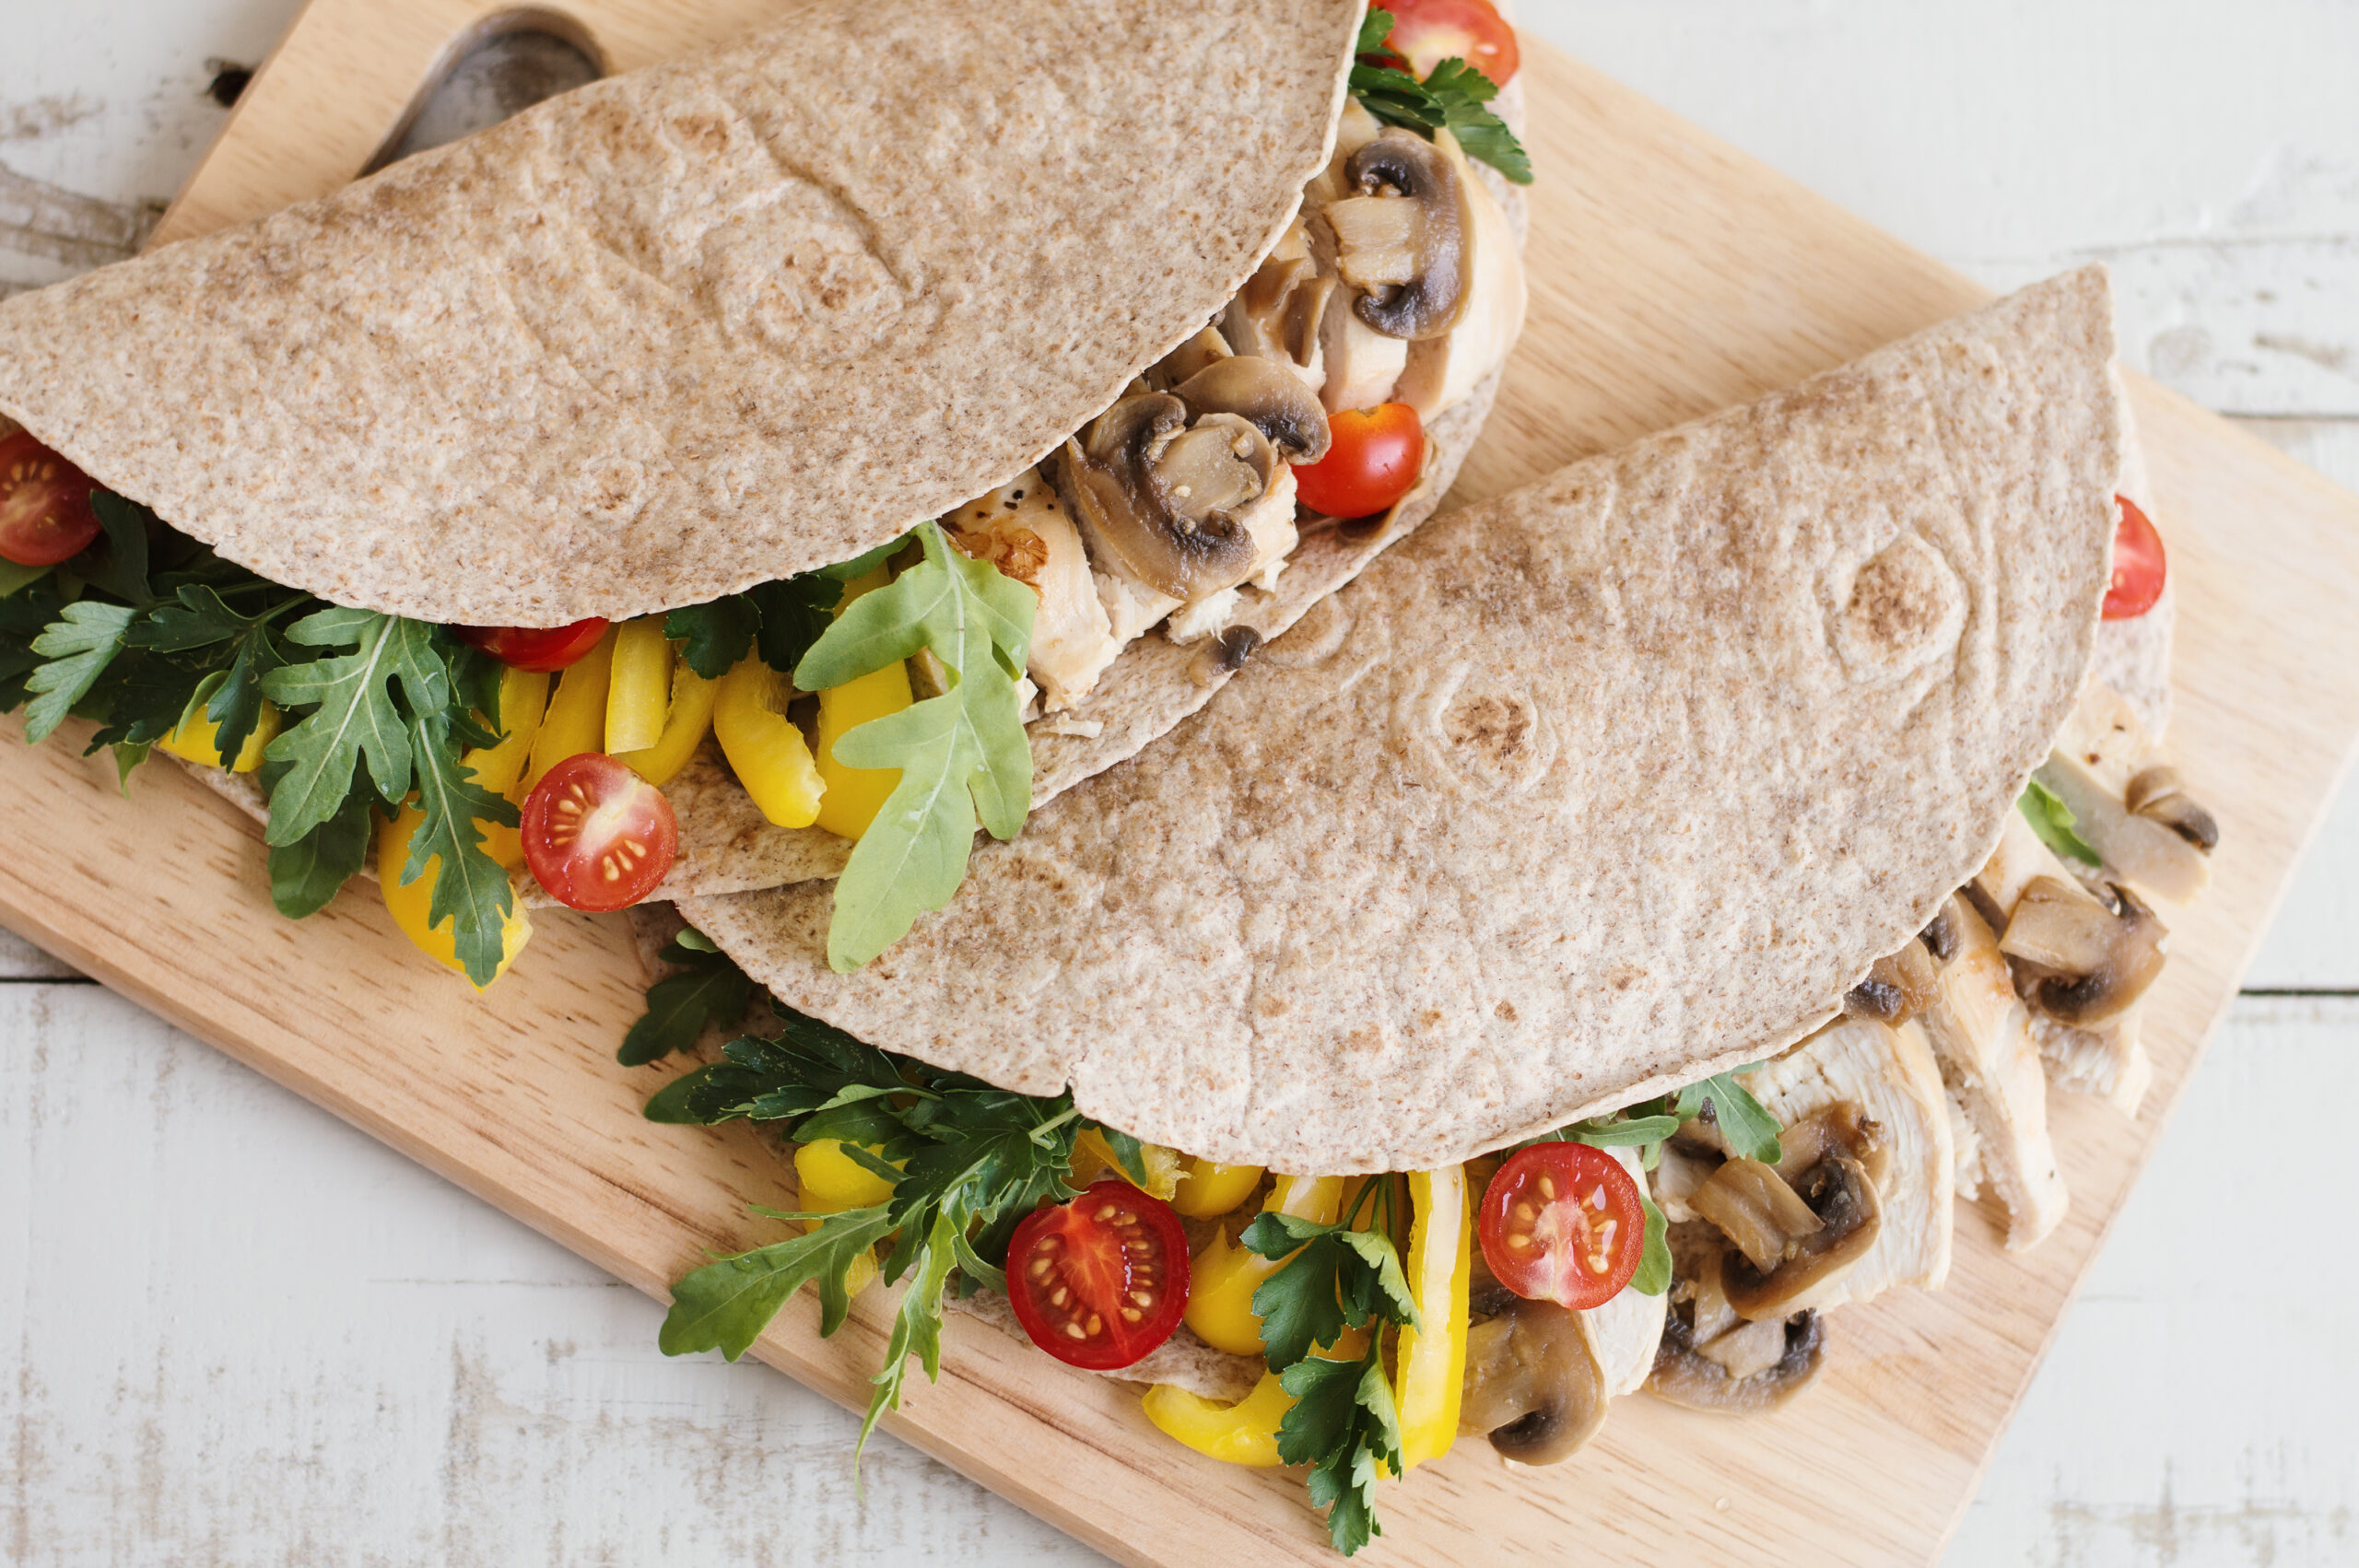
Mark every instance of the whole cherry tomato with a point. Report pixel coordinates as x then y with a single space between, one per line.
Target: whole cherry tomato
1375 459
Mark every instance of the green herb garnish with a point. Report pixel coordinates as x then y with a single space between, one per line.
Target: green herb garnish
963 755
2054 821
1454 94
707 989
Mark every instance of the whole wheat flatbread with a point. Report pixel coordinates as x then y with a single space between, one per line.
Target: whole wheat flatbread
703 326
1576 794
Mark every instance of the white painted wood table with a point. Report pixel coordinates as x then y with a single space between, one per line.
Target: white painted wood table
243 1332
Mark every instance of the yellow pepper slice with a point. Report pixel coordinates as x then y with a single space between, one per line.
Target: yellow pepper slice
576 717
523 696
686 721
1243 1433
1093 1158
638 692
409 906
856 794
1223 1276
832 1181
196 738
765 747
1431 1378
1207 1191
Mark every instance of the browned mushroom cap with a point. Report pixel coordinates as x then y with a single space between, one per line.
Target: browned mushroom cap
1685 1376
1162 499
1402 240
1941 936
1268 396
1532 1383
2159 794
2079 956
1898 987
1840 1193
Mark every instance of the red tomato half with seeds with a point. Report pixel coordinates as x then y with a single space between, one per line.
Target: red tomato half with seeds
1427 32
597 835
2139 570
542 650
1101 1280
1373 460
45 514
1563 1223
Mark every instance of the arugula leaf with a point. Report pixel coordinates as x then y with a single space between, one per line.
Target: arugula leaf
469 887
1342 1424
1653 1277
78 647
708 990
1454 95
1338 1278
305 875
1743 1121
2053 821
726 1304
355 717
963 755
859 565
1129 1153
917 1327
197 618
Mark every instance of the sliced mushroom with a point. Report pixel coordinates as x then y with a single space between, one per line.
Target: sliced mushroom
1941 936
1201 352
2081 959
1685 1377
1532 1383
1844 1200
1443 371
1267 396
1363 365
2135 849
1401 237
1840 1126
1276 314
1163 501
1898 989
2158 794
1761 1215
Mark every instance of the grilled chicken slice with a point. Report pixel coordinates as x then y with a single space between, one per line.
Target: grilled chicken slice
1021 528
1981 1036
1623 1334
1890 1076
2106 1059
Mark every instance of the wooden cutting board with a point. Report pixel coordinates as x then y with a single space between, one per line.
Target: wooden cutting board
1670 276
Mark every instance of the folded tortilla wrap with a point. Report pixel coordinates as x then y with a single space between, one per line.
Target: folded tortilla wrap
1574 796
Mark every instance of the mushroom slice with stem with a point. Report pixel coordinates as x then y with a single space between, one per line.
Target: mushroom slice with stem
2159 794
1532 1383
2136 849
1363 365
1767 1220
1200 353
1277 315
1685 1376
1400 238
1267 396
1443 371
1843 1201
1898 987
1162 501
2083 959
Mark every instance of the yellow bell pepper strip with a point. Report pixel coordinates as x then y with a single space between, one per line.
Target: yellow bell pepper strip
409 905
1223 1277
523 696
638 692
196 738
832 1181
765 748
1430 1375
1243 1433
686 721
1207 1191
1094 1157
856 794
576 717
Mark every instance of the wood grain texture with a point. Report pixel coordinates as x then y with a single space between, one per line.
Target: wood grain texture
1674 276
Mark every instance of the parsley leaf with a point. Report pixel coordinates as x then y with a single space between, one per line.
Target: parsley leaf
2053 821
14 577
779 620
1454 95
240 649
963 755
707 989
1338 1278
117 562
1344 1421
78 647
714 636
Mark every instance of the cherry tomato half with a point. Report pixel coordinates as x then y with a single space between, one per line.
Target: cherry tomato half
2139 570
596 834
1427 32
1562 1222
541 651
45 513
1101 1280
1377 456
